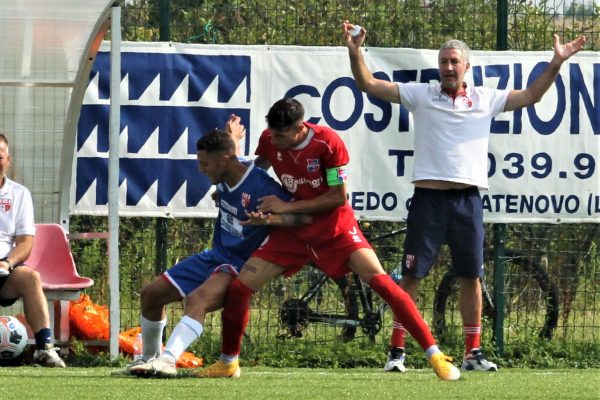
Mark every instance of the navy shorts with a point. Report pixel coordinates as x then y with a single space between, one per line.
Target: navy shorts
5 302
436 217
192 272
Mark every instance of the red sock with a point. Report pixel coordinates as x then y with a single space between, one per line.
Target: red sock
235 317
472 336
404 309
398 335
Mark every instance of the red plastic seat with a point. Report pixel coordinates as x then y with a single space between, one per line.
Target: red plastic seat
51 257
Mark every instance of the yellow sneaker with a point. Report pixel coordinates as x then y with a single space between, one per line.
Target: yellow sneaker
443 367
221 370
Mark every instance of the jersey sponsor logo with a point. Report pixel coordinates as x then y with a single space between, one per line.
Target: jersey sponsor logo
226 206
312 165
5 204
245 199
291 183
232 225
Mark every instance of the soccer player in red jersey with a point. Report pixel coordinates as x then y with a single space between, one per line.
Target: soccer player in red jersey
310 161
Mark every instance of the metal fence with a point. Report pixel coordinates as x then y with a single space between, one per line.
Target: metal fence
568 255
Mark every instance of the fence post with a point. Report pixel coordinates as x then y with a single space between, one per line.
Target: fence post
164 27
500 229
160 263
499 272
502 25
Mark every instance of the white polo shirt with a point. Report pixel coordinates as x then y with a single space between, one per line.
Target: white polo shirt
452 135
16 214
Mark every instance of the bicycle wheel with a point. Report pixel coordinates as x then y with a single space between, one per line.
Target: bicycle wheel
321 304
446 311
531 298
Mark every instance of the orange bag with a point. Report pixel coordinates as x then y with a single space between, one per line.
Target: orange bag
130 343
87 320
189 360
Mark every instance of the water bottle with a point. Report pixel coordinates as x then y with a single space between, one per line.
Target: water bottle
396 274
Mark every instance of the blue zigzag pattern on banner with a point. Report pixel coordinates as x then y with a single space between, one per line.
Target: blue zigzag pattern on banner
170 121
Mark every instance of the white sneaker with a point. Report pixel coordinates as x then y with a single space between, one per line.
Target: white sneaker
159 368
126 370
48 357
475 361
395 360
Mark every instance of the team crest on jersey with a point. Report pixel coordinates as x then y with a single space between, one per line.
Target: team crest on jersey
279 158
245 199
410 261
313 165
467 102
341 174
5 204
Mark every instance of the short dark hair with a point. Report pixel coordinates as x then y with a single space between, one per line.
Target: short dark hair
285 113
216 140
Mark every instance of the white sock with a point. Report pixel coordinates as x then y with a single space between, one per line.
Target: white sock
184 334
151 337
227 359
431 350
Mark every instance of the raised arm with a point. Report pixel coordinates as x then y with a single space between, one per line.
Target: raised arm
534 93
365 80
237 131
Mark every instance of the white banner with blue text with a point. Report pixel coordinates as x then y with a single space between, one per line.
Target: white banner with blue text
542 161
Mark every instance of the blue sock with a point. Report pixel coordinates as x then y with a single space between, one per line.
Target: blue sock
42 337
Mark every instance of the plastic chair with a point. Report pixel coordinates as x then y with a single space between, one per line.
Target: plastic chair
51 257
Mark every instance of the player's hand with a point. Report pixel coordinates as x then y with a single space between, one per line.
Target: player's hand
563 51
353 42
4 268
272 204
235 128
256 218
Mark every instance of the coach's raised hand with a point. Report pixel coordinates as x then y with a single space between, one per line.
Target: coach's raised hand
563 51
353 39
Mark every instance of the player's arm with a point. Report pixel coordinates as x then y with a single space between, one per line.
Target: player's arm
365 80
258 218
533 94
236 131
334 197
262 162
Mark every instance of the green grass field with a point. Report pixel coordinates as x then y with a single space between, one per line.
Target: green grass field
269 383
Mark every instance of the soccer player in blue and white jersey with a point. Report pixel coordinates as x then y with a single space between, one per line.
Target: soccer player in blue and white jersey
203 279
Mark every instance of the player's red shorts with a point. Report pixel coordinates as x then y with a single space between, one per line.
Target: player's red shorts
290 252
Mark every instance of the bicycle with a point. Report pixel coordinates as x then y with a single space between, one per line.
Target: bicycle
533 290
360 308
363 310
